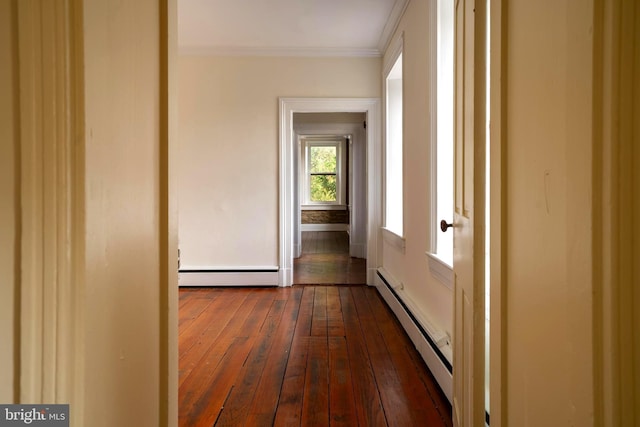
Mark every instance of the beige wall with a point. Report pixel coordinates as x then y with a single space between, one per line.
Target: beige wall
548 234
122 284
8 203
228 147
411 268
548 213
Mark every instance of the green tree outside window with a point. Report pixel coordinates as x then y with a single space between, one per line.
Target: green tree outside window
322 171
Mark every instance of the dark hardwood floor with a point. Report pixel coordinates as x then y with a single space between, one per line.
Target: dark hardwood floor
300 356
325 260
325 242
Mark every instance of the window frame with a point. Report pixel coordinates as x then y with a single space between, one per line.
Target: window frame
443 177
441 255
307 142
394 232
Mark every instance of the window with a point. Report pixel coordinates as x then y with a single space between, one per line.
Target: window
323 171
444 148
393 146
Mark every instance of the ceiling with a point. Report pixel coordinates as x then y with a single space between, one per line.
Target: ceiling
287 27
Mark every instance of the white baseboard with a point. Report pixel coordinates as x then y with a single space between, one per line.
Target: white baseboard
236 276
417 333
324 227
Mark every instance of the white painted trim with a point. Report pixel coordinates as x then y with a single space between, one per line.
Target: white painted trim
231 278
297 250
52 215
340 144
393 239
616 186
285 277
397 12
392 54
327 129
433 125
389 61
498 390
439 337
358 250
303 52
440 270
437 368
370 106
169 352
324 227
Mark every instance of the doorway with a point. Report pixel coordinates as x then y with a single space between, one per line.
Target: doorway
330 185
364 210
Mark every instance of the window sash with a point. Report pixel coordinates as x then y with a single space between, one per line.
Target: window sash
338 145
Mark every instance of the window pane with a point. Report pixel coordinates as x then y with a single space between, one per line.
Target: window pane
322 159
444 111
323 188
394 153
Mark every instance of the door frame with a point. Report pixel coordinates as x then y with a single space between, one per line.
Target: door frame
288 106
497 203
616 234
350 133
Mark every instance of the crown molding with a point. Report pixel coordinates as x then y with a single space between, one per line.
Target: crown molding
279 51
390 27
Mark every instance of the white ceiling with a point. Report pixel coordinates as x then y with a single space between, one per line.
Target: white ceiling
287 27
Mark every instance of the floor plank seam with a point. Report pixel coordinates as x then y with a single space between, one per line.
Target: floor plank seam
344 339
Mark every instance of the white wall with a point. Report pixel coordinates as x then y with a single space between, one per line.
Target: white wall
122 190
228 155
8 217
410 267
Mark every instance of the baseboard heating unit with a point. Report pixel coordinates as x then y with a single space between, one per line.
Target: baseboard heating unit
430 343
232 276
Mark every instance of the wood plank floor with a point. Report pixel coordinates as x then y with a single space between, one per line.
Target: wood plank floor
325 242
325 260
300 356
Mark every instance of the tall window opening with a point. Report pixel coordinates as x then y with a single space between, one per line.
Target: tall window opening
445 98
393 148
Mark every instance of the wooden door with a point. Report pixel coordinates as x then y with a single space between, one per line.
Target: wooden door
469 204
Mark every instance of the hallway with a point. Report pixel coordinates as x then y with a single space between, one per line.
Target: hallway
325 260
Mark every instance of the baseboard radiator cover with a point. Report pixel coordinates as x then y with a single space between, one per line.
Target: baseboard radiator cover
431 343
229 276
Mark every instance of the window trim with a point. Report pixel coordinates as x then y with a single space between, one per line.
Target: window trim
437 259
308 141
394 53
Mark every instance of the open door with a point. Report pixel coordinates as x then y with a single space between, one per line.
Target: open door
469 208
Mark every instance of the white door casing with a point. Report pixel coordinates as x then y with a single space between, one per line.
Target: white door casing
469 207
356 179
288 106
